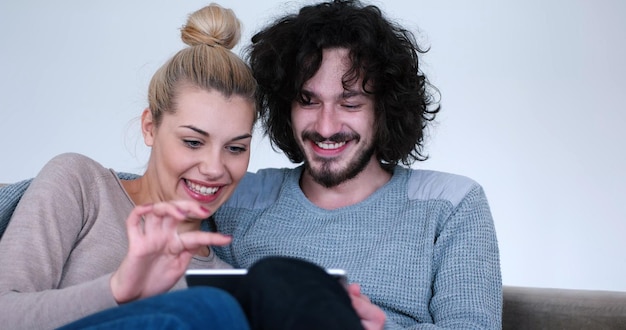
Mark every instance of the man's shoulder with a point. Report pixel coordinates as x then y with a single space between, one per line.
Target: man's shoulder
430 185
266 175
259 189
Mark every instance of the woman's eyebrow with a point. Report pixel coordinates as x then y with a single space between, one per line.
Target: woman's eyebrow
204 133
195 129
241 137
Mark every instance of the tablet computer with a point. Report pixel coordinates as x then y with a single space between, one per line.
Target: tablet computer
228 279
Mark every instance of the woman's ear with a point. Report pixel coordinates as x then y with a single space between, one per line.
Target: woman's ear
148 127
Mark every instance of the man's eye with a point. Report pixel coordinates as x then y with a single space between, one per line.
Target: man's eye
352 106
193 144
305 100
307 103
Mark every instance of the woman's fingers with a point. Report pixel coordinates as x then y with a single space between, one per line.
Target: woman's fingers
182 208
193 240
134 221
154 227
159 250
163 215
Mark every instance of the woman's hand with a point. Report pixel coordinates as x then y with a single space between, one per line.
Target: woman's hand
372 317
158 254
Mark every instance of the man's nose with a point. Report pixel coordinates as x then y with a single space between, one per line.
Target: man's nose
327 121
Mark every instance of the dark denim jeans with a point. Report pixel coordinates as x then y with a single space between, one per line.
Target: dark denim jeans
194 308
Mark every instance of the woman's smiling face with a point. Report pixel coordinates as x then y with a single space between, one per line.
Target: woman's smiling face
201 150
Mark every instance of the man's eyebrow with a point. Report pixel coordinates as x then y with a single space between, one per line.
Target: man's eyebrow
348 93
307 93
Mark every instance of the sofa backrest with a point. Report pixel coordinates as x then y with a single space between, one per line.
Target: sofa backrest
548 308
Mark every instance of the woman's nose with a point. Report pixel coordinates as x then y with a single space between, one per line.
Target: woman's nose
212 165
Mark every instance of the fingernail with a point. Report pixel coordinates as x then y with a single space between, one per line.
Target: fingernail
183 212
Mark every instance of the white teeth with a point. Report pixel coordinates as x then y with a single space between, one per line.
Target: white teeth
201 189
330 145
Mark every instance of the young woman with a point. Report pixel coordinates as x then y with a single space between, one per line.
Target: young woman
84 248
81 240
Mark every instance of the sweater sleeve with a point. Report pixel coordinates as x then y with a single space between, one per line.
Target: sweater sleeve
467 287
52 308
44 228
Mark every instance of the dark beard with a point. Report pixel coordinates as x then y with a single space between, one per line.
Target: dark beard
327 178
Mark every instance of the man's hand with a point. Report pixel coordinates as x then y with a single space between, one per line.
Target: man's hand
372 317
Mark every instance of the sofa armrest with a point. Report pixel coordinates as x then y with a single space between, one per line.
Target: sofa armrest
549 308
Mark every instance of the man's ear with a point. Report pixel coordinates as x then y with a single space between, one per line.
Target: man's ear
148 127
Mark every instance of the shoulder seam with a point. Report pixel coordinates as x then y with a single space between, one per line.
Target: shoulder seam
433 185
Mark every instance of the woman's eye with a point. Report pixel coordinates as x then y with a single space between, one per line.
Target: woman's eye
193 144
236 150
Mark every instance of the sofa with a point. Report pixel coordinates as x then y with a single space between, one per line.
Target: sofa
523 307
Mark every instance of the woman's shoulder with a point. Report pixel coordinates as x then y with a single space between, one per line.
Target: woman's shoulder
75 163
73 159
71 170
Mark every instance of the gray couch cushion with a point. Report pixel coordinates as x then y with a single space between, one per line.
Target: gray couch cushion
546 308
9 197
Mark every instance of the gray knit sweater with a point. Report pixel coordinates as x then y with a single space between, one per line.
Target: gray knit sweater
423 247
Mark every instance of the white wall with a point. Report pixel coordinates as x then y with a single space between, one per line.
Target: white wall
533 108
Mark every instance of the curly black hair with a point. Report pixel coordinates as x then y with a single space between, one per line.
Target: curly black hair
287 53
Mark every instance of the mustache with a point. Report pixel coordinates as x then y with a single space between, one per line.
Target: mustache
336 138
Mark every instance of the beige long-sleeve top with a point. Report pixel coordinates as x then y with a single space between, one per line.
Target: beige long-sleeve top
65 239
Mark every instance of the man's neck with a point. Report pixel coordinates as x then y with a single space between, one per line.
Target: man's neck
348 192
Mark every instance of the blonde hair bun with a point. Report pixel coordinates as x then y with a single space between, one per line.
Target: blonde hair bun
212 25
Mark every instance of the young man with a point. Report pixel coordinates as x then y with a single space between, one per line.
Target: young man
342 92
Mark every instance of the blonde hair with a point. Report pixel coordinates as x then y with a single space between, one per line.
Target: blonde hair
207 63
